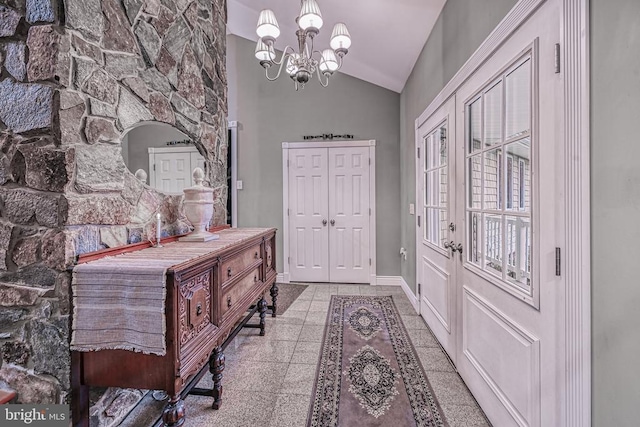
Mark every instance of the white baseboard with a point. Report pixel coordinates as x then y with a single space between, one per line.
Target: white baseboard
409 293
280 278
399 281
389 281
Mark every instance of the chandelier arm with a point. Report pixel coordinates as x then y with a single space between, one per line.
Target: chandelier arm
266 70
326 82
284 55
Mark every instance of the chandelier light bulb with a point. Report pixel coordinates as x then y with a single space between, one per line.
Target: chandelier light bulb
267 28
340 39
310 18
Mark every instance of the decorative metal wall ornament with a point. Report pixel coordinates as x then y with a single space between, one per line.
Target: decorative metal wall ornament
301 65
328 136
184 141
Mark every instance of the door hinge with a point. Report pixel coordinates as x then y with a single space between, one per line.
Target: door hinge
369 261
369 211
288 260
556 60
419 289
288 212
154 166
418 220
558 262
418 152
369 161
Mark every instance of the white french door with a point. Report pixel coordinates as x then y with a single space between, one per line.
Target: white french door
435 262
506 208
328 214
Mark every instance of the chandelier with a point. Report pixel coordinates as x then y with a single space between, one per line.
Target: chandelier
302 64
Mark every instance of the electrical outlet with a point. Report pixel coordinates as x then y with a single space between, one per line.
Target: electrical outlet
412 209
238 185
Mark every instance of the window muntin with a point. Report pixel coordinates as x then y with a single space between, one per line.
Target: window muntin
436 187
498 178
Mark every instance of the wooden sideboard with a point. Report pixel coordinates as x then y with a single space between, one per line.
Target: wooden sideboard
206 297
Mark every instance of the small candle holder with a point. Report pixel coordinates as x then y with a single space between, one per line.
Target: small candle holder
158 231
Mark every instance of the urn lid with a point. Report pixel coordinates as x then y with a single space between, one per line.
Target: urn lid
198 191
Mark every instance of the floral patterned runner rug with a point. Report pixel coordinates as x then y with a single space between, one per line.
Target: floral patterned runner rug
369 373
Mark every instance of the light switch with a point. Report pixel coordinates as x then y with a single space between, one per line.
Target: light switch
412 209
238 185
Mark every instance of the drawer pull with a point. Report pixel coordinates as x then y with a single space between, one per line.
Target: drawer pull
199 309
229 272
255 278
228 302
255 255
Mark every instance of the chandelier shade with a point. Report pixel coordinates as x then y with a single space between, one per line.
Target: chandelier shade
264 52
310 16
303 61
268 25
340 38
329 62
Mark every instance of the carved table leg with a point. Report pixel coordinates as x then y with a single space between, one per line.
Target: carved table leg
262 309
216 366
173 414
274 298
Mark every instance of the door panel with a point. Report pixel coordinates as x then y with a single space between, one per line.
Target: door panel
308 193
436 263
349 214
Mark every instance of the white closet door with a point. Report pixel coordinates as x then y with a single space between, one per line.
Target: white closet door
349 214
173 171
308 215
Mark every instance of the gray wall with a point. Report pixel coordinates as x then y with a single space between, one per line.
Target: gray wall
272 112
461 28
139 139
615 211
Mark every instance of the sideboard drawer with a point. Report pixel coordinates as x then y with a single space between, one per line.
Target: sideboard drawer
235 265
233 294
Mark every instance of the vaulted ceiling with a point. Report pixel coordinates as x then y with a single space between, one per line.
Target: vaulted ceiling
388 35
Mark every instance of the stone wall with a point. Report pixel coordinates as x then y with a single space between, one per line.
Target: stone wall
75 75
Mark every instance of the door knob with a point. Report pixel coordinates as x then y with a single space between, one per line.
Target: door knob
333 222
458 248
451 245
324 222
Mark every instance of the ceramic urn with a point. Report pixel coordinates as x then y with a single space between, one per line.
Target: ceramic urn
198 207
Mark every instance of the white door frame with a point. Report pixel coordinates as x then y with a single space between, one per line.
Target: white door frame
574 67
233 146
372 196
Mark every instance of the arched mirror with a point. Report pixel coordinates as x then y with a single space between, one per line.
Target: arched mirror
161 156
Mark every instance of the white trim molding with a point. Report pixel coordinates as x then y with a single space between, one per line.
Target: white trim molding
233 146
577 262
388 281
280 278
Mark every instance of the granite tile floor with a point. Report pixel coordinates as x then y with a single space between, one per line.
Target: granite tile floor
268 380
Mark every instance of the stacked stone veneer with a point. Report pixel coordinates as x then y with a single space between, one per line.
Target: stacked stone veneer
75 76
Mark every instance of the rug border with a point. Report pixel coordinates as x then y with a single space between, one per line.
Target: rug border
413 349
